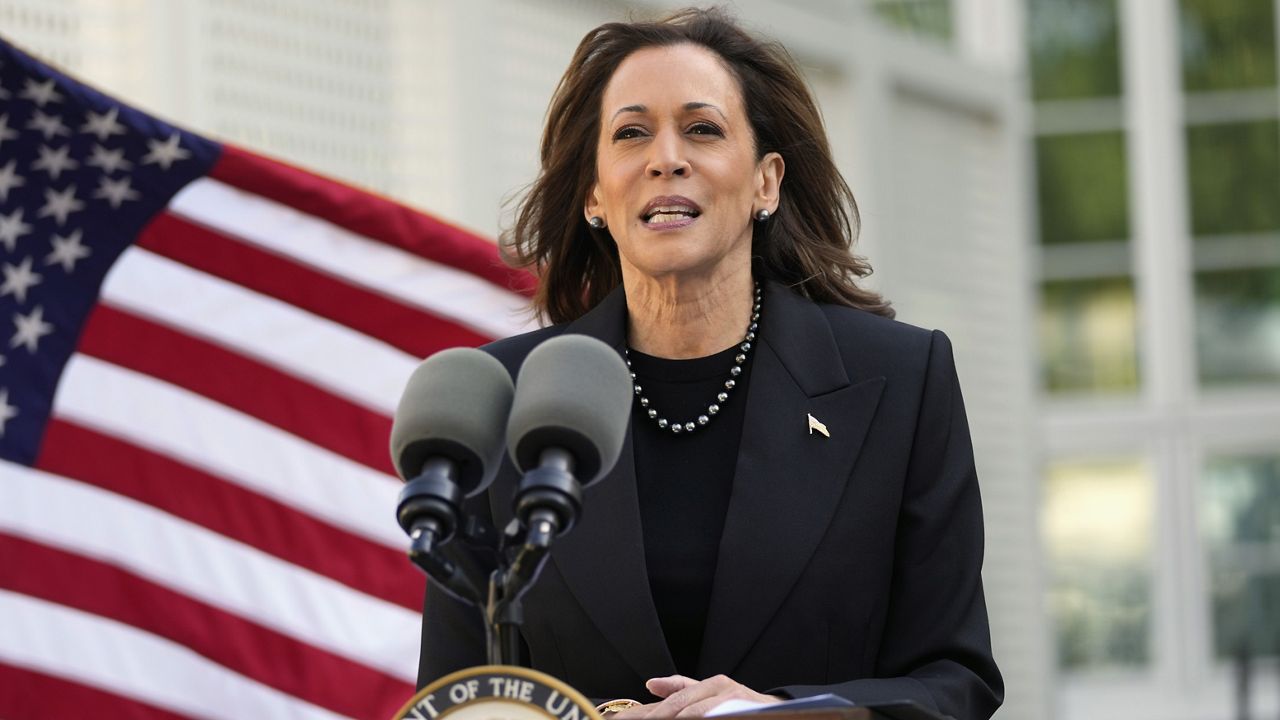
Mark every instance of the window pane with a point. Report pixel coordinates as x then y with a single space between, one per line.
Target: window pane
1088 335
924 17
1228 44
1241 529
1234 174
1082 187
1075 49
1097 525
1238 325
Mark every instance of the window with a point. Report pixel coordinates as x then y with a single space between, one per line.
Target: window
1240 524
1098 523
1238 326
1233 177
1088 331
1082 187
1228 44
1075 49
1088 316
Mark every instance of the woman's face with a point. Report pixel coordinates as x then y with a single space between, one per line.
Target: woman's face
677 181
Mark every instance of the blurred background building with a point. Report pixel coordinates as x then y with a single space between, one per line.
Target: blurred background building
1085 194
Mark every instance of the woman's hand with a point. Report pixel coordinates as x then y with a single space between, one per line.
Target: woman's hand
686 697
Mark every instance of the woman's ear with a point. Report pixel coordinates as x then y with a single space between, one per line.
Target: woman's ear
769 172
594 207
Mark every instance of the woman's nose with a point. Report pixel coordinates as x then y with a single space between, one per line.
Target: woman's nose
667 156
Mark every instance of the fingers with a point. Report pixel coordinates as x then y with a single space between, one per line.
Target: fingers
665 686
686 697
716 688
702 707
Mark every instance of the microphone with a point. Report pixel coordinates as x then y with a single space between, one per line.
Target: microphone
446 443
567 426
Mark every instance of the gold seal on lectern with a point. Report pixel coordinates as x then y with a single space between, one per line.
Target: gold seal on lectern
498 692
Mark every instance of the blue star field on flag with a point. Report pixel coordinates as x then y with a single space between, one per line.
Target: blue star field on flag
80 176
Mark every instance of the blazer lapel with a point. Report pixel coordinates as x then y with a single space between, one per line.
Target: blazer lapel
613 586
789 479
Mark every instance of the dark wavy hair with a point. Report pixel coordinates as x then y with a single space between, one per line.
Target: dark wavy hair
806 244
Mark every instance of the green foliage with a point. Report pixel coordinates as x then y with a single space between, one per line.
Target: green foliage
1228 44
1088 336
1237 326
1233 172
1242 532
1075 49
1083 187
931 18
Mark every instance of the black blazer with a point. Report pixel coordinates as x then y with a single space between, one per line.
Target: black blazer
848 564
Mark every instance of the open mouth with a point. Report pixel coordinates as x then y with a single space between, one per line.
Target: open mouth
669 214
670 209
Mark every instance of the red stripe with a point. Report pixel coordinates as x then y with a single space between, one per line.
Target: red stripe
230 510
30 695
312 674
369 215
414 331
239 382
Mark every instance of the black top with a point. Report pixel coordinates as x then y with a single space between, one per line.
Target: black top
684 482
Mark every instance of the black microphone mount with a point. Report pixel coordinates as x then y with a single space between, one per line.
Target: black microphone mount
429 511
550 497
547 504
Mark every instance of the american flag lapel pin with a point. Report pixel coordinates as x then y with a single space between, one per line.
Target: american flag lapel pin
816 424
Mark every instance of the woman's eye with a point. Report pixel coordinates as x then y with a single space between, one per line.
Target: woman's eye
627 133
703 128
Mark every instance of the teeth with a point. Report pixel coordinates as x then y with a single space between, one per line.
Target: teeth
662 217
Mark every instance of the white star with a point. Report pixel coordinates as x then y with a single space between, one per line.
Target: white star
48 125
104 125
115 191
109 160
60 204
6 132
41 93
66 251
165 153
7 411
54 162
9 179
18 279
30 328
12 228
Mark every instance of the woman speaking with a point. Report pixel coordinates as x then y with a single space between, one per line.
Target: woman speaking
795 510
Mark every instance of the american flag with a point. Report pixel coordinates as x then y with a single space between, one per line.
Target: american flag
202 349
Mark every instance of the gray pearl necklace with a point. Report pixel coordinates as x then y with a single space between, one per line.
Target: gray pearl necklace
713 409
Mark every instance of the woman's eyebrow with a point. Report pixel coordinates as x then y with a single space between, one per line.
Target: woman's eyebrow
631 109
702 105
687 106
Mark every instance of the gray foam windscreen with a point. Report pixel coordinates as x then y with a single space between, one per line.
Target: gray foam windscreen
574 392
455 405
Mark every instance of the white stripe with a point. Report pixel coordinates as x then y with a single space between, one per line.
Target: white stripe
230 444
439 289
327 353
123 660
207 566
129 662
